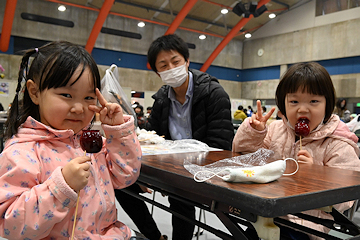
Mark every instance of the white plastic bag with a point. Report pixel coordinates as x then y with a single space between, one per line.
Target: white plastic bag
112 91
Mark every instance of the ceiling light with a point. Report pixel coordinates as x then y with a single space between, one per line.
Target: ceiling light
202 37
62 8
248 35
272 15
141 24
224 11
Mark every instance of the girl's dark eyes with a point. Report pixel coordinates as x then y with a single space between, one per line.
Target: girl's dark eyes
69 96
65 95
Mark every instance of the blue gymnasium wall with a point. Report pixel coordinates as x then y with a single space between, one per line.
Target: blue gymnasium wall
137 61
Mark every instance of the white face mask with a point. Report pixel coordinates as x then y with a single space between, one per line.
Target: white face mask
174 77
258 174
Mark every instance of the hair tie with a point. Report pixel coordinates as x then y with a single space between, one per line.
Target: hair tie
36 50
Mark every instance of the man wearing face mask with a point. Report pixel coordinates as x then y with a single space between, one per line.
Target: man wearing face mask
191 105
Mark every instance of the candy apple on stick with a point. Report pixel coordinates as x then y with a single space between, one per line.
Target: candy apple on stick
302 128
91 142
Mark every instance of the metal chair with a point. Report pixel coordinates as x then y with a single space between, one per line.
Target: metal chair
199 231
236 123
351 212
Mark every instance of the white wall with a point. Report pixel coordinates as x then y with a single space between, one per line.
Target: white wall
302 17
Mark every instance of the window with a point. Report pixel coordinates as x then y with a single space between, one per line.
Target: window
330 6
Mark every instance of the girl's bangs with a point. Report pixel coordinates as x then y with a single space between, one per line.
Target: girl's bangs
309 84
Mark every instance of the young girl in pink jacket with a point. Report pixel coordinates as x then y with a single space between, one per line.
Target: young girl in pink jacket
43 169
305 91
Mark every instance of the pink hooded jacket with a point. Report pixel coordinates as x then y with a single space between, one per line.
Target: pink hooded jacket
37 203
331 145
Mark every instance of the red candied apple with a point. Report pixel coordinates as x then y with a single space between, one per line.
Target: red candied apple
91 141
302 127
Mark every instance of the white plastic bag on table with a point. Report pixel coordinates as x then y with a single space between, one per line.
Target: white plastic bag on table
112 91
256 167
184 145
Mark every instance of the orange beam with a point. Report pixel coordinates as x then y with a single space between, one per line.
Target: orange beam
218 4
250 30
104 11
165 24
228 38
180 17
73 5
132 17
7 24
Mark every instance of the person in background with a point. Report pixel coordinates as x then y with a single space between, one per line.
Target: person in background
342 111
240 114
148 111
47 171
191 105
141 120
304 91
1 107
245 111
250 111
263 110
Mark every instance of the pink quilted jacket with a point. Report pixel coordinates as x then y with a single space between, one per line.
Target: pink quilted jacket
332 145
37 203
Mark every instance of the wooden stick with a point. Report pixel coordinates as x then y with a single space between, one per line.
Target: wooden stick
76 209
300 144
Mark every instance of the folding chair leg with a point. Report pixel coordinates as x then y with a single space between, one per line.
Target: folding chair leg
152 205
200 231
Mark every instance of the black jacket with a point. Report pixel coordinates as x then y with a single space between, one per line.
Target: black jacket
210 116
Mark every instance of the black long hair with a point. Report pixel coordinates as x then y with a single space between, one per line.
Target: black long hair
310 78
52 67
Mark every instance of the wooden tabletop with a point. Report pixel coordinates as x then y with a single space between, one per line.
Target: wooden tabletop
313 186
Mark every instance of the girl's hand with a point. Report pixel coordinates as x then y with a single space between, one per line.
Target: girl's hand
110 113
258 121
304 157
76 172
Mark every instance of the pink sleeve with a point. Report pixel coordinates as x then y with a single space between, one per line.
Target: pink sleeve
247 139
124 152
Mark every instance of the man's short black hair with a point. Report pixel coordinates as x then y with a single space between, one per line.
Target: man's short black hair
167 43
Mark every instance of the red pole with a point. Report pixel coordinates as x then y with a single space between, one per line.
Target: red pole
104 11
7 24
228 38
180 17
